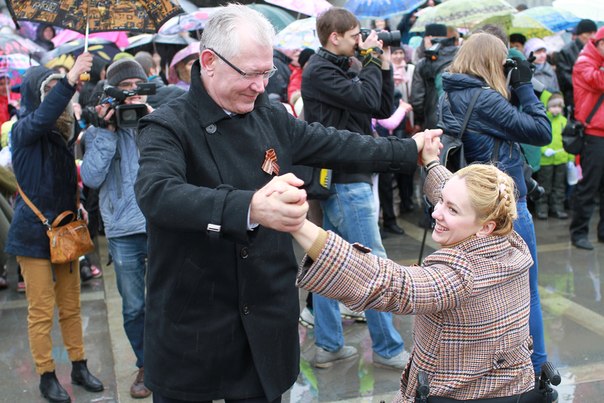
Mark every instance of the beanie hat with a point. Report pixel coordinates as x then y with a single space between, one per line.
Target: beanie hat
517 38
436 30
305 54
533 45
124 69
145 60
585 26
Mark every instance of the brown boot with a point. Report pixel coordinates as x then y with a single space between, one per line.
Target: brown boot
138 390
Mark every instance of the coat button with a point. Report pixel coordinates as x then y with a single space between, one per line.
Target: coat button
211 129
246 310
244 253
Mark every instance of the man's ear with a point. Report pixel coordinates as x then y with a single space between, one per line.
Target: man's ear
334 39
207 59
486 229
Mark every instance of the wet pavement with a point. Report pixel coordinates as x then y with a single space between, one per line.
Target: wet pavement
571 295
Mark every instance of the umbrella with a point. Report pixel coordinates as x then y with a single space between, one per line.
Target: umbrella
277 16
554 19
306 7
97 46
6 21
461 13
520 24
193 21
120 38
13 43
299 34
381 8
594 10
14 66
96 15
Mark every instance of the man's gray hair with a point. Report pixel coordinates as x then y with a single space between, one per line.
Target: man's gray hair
222 30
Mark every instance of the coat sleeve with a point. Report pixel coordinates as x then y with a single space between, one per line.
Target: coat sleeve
529 126
101 145
166 197
364 281
30 128
418 94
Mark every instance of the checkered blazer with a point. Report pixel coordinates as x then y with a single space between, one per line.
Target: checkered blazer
471 302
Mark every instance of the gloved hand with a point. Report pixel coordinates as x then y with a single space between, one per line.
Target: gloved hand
521 74
549 152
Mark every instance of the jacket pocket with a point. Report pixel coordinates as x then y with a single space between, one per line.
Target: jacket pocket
183 292
515 357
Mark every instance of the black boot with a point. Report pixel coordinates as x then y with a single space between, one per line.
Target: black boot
81 376
52 390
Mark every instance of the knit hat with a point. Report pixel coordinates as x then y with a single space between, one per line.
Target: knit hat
533 45
585 26
436 30
305 54
124 69
516 37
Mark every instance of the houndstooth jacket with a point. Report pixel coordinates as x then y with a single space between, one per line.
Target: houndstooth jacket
471 301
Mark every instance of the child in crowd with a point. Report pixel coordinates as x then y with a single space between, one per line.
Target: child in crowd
554 161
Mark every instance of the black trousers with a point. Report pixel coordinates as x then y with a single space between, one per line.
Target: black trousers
584 197
162 399
553 180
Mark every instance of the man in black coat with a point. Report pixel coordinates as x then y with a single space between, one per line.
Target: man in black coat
222 306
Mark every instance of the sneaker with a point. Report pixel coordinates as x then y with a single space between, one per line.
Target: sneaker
96 271
398 362
21 286
325 359
347 313
306 318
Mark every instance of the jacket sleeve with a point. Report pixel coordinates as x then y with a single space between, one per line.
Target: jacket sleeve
364 281
529 126
101 145
30 128
394 120
363 93
418 94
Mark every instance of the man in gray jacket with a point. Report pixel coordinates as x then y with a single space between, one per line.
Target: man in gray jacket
111 165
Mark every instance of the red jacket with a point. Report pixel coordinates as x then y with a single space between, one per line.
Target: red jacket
588 83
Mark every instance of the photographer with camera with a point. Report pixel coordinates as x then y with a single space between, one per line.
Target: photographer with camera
336 94
110 164
494 130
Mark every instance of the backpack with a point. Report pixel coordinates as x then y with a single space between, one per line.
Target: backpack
452 155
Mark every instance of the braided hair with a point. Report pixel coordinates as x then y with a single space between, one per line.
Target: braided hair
492 194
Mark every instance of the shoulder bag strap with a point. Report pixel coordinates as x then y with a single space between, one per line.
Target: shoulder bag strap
33 207
594 110
466 118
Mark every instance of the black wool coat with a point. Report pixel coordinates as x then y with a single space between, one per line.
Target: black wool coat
222 306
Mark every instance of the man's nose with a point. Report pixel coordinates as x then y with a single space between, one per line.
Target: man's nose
259 84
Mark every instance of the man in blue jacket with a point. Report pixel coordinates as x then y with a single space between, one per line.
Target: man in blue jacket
111 165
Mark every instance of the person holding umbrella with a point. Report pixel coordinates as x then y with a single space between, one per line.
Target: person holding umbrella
45 169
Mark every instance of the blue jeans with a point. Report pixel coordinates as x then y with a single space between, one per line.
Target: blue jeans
526 229
351 213
129 259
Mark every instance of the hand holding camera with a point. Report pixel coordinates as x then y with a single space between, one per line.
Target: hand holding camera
369 40
521 73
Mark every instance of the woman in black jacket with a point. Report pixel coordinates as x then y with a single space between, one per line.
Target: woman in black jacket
494 132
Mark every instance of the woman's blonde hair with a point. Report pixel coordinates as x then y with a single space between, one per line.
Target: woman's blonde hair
483 55
492 194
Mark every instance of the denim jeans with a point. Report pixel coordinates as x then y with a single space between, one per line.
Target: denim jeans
351 213
526 229
129 259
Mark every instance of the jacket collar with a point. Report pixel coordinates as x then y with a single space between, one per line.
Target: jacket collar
210 112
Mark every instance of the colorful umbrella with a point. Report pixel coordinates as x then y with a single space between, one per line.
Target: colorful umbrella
6 21
520 24
381 8
277 16
553 18
299 34
193 21
461 13
14 66
120 38
13 43
594 10
96 15
103 48
306 7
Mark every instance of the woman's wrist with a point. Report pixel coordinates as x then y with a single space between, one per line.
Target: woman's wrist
431 164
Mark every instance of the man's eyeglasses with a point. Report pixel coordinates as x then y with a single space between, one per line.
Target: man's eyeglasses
250 76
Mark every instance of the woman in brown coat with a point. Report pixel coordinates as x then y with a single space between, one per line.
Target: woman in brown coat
471 297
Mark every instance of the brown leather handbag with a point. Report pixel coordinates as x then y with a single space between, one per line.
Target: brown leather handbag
69 241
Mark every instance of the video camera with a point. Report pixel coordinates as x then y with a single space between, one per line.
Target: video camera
432 52
389 38
126 115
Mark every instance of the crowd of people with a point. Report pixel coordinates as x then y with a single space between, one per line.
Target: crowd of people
198 199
